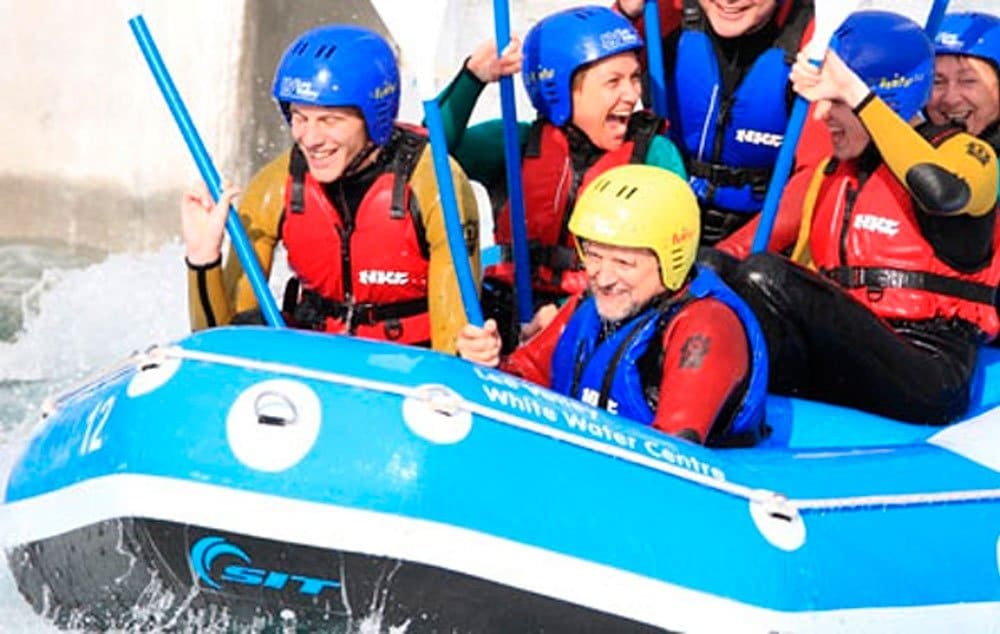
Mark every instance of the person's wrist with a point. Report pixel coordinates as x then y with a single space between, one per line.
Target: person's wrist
621 10
203 261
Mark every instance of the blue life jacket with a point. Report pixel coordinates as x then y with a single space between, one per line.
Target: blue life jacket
608 375
731 141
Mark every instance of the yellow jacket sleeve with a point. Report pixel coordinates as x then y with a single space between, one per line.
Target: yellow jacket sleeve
215 293
444 299
963 157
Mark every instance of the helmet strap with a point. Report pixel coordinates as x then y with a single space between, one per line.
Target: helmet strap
361 159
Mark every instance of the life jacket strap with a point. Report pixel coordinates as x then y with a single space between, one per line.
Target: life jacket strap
878 279
355 314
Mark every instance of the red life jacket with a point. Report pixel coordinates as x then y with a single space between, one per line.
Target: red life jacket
877 252
368 279
551 186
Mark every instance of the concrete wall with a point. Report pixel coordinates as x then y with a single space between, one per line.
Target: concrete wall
91 155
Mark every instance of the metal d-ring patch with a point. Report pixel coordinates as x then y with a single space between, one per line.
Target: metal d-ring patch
272 425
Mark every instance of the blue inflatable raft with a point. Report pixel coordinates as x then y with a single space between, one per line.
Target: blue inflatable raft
261 478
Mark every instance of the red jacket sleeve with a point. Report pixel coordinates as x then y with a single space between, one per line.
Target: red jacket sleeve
706 359
533 359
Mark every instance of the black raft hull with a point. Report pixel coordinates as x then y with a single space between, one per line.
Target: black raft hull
141 574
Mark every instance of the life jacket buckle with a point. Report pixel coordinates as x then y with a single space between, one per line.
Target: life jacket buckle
393 329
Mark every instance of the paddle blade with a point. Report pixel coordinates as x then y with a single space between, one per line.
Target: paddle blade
416 29
830 14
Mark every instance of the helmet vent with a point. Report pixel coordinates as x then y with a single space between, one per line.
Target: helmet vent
301 47
626 192
325 51
584 13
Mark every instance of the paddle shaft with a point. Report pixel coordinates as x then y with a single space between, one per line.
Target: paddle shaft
654 58
247 257
449 206
935 17
512 162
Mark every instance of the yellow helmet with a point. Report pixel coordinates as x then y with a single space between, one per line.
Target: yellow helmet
642 206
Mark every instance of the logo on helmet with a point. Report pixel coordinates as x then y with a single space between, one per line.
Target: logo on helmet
542 74
386 89
301 88
951 40
617 38
686 234
898 81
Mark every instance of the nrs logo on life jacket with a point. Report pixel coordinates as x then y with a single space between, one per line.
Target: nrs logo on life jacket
388 278
876 224
756 137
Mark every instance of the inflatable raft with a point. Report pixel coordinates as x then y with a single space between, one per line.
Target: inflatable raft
263 478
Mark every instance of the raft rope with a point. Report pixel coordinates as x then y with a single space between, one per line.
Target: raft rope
776 503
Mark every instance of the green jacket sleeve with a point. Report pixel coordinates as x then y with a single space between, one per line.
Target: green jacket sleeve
478 149
663 153
457 101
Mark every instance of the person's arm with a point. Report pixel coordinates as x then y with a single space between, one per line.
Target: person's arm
481 153
533 359
214 293
458 100
670 14
957 177
706 360
447 312
663 153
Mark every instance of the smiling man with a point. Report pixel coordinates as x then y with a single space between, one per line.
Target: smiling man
654 338
355 202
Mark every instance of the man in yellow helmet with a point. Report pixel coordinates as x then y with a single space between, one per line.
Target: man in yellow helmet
654 338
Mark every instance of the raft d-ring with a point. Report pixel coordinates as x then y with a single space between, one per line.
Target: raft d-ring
274 424
777 519
275 408
153 369
437 413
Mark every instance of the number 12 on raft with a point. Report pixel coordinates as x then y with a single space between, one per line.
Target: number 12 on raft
96 420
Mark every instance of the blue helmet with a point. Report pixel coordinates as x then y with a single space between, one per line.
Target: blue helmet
892 54
342 65
560 44
972 34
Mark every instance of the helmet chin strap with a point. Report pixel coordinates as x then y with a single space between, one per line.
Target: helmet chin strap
361 159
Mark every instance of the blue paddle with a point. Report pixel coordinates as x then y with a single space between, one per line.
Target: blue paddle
512 162
654 57
247 257
935 17
830 14
413 30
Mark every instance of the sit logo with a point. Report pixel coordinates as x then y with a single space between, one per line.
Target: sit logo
241 572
